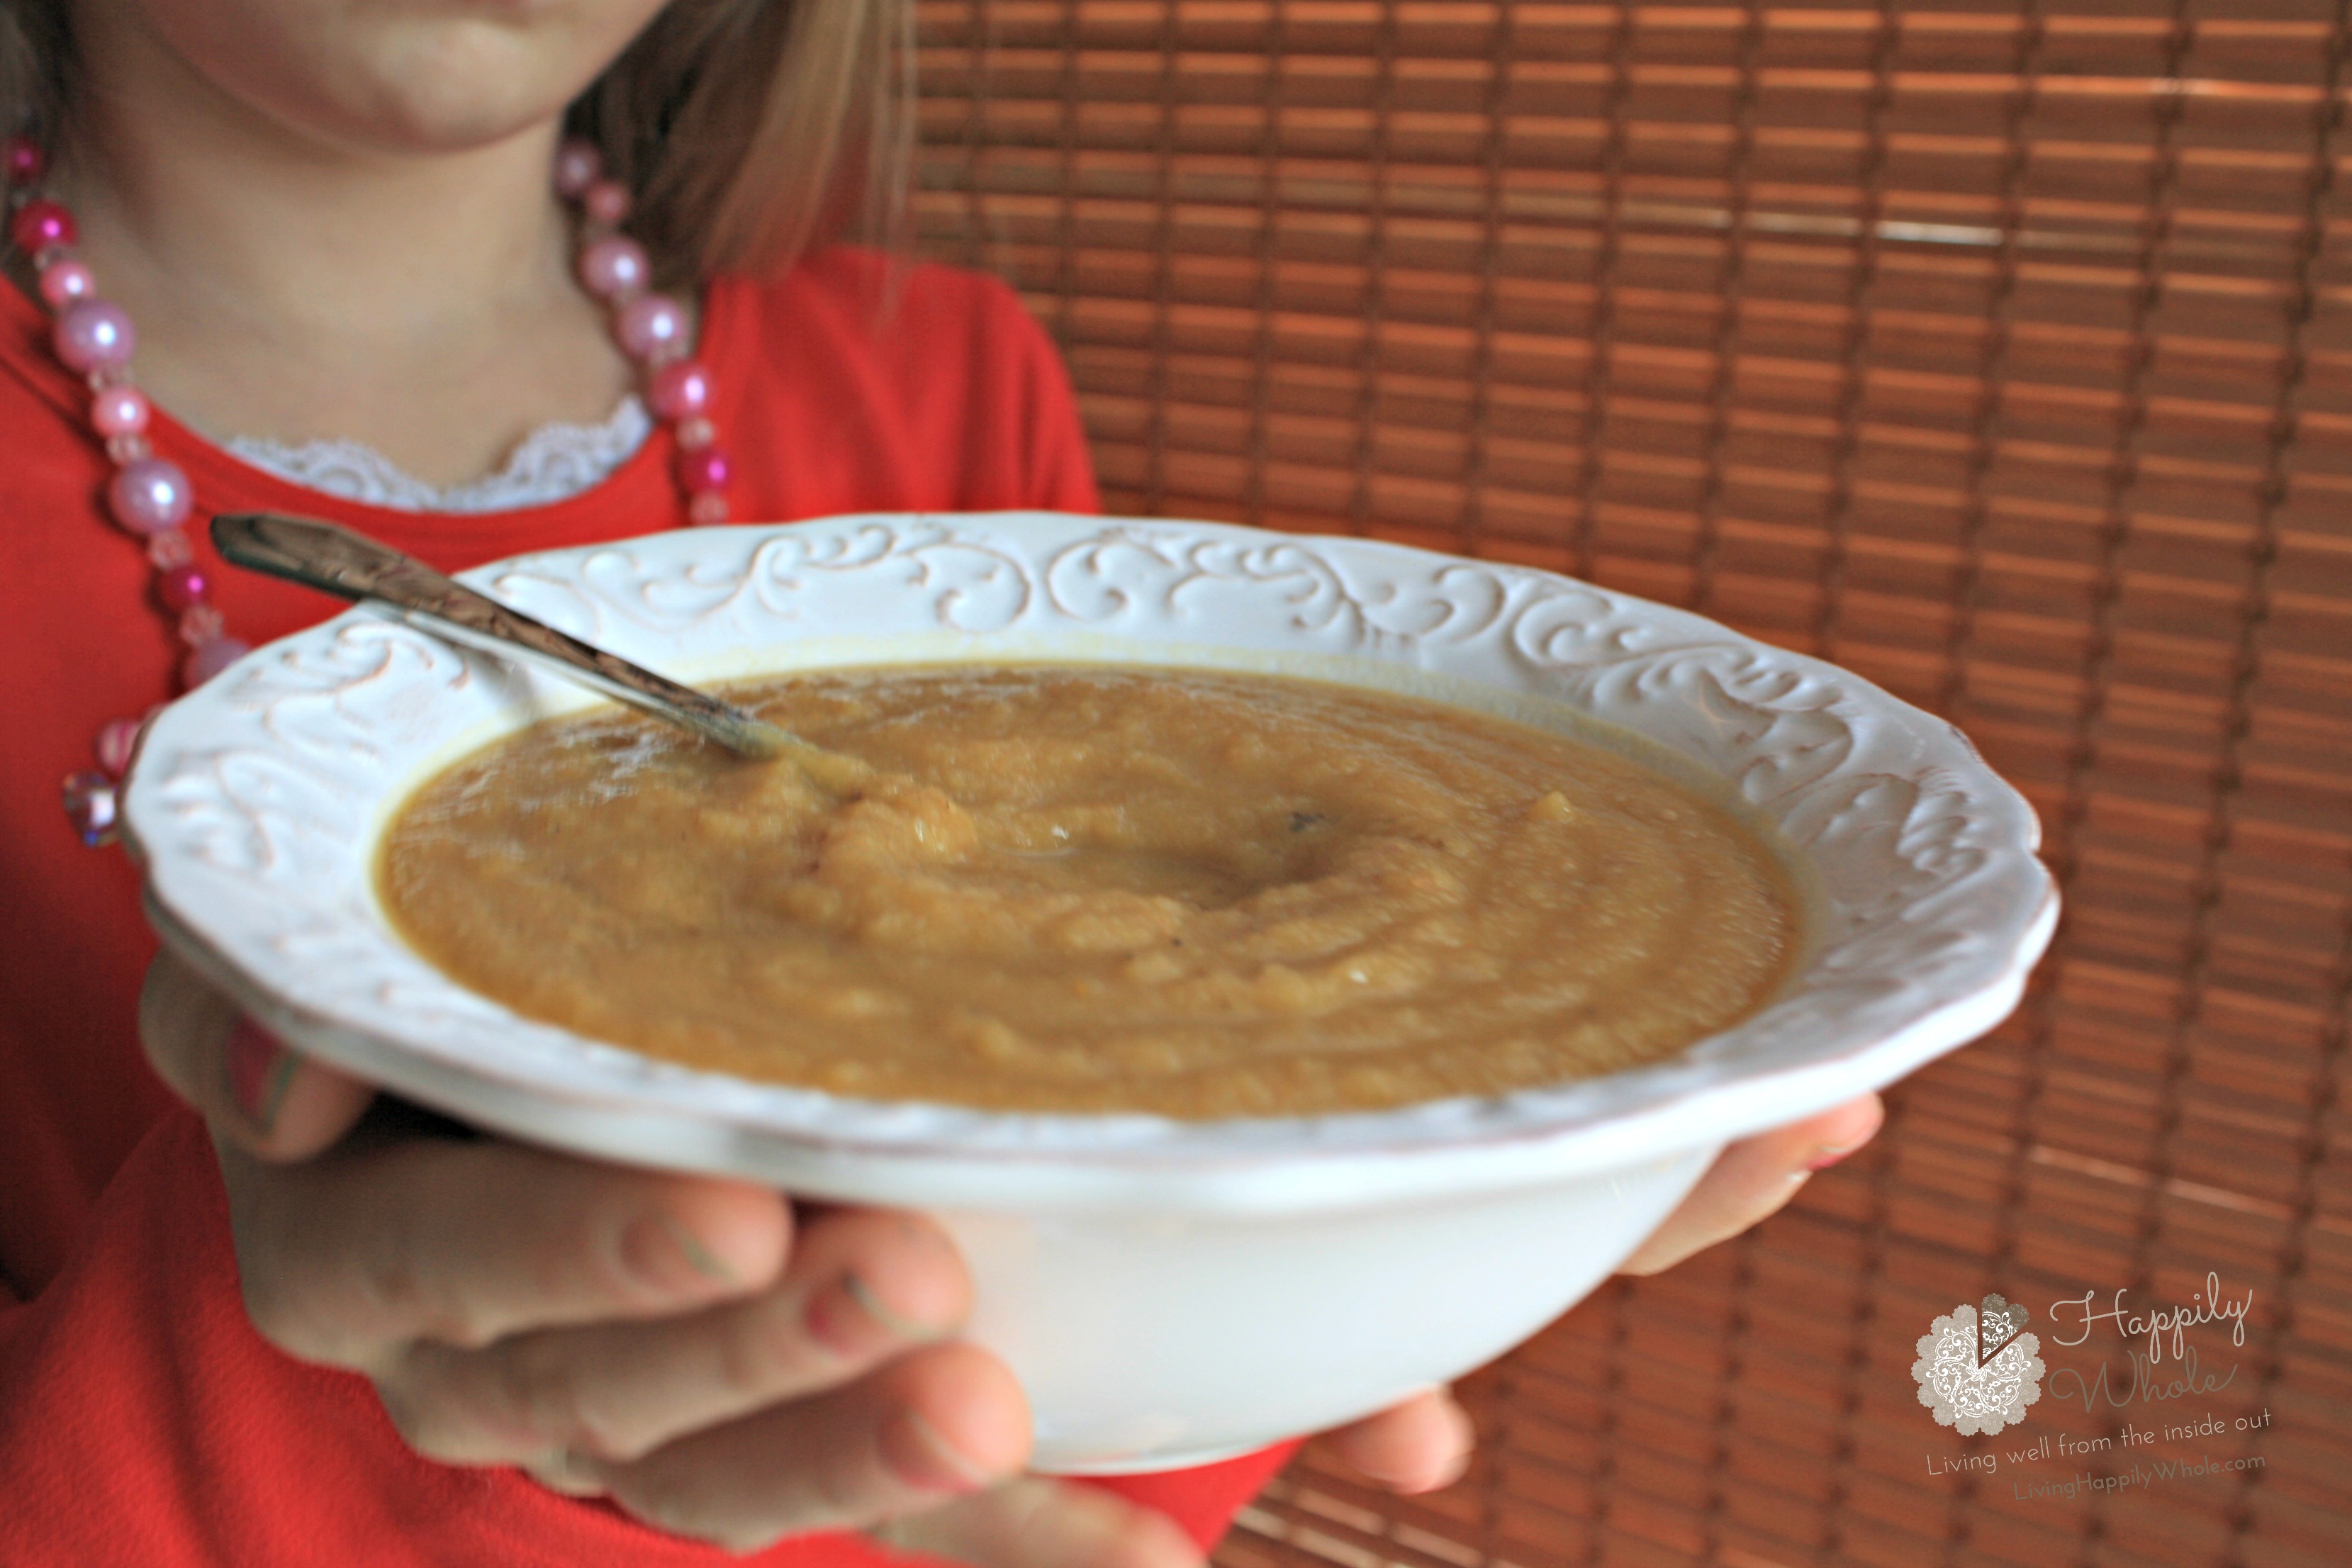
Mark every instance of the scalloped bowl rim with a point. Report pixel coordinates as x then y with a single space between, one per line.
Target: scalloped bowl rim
1933 967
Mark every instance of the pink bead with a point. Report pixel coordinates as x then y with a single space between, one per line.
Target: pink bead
606 201
25 160
149 496
707 510
651 329
170 550
119 410
92 334
578 162
66 280
693 434
124 450
680 389
707 469
41 226
614 267
117 745
209 658
181 586
89 803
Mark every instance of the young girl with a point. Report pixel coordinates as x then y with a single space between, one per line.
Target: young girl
335 256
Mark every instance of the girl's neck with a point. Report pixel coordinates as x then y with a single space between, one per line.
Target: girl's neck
290 288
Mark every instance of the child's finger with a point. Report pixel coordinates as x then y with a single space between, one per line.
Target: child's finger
1418 1446
270 1102
1752 1178
863 1287
944 1422
345 1259
1035 1522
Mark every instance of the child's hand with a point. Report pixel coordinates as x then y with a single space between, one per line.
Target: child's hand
717 1361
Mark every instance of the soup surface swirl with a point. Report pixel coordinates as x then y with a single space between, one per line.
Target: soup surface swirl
1093 889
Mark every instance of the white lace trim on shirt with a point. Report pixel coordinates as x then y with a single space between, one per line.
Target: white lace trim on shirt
553 463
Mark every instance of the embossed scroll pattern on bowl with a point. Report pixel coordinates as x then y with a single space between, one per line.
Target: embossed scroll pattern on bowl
256 801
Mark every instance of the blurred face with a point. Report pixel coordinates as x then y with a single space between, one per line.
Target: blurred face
387 76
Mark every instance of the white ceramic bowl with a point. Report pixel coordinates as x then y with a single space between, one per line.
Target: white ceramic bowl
1166 1291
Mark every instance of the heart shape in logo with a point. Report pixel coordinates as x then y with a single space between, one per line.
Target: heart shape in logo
1997 1323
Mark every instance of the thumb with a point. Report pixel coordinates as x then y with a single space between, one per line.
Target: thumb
1753 1178
256 1092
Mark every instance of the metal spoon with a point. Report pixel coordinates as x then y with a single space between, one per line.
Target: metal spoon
353 566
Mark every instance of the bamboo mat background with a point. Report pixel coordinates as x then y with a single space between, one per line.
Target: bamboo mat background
2002 353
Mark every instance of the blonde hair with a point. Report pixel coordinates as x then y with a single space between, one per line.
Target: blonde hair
748 130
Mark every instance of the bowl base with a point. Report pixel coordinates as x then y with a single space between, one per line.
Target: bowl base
1148 1464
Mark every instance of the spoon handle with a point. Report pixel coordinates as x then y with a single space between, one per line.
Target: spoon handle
353 566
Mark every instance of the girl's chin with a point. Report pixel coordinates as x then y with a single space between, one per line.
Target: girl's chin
446 76
409 112
438 129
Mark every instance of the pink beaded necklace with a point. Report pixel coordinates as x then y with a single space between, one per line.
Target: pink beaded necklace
150 498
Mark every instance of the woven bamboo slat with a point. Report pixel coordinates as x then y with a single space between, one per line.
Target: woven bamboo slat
2001 351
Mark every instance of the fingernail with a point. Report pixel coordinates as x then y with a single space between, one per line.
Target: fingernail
844 1315
919 1457
1455 1466
669 1256
1450 1470
1828 1155
259 1068
565 1471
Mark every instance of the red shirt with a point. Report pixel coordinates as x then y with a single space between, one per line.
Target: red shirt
141 1420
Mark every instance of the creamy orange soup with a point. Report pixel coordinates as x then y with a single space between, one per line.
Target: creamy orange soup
1097 889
